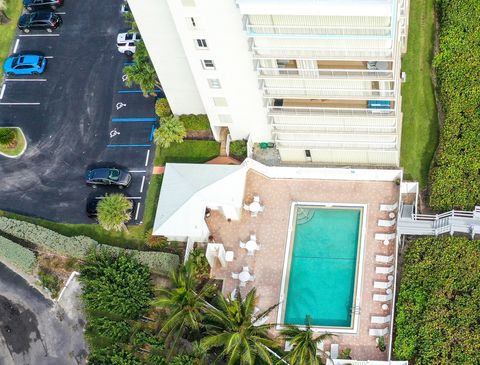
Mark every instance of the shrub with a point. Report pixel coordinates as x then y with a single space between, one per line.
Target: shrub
162 108
195 122
171 130
116 331
7 135
455 172
438 308
239 149
16 255
114 211
49 281
113 355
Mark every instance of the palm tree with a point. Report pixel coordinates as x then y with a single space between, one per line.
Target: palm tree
114 211
142 72
171 130
184 304
231 328
305 344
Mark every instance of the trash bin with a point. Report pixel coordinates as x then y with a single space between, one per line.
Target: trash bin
263 145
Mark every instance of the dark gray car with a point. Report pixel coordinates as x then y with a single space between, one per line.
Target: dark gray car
108 176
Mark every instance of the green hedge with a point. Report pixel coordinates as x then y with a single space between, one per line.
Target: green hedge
16 255
438 308
79 246
455 177
195 122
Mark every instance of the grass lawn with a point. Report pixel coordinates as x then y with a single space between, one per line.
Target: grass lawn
189 151
7 31
195 122
17 150
420 124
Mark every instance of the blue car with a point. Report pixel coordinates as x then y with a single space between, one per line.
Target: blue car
24 64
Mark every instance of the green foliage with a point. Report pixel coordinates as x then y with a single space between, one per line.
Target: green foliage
346 354
162 108
183 360
198 264
456 170
239 149
7 135
16 255
3 5
80 246
114 211
171 130
438 308
188 152
381 344
114 330
230 329
50 281
195 122
112 356
115 284
130 21
142 72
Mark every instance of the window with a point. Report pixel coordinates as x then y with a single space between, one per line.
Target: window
201 43
191 22
188 2
214 83
308 154
219 101
208 65
225 118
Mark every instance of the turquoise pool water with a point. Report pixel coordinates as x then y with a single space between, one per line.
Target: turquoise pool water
323 266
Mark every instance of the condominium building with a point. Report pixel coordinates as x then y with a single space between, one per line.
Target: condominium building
318 78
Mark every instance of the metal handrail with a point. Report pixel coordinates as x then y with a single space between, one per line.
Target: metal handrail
294 110
319 72
316 30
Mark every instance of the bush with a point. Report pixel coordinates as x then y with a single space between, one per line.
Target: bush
239 149
195 122
162 108
438 308
112 356
171 130
49 281
116 331
16 255
7 135
79 246
455 173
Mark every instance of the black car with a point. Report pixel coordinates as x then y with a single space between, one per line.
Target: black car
31 5
92 203
39 20
108 176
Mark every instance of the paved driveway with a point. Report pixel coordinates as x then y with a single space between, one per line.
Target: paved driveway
78 114
34 330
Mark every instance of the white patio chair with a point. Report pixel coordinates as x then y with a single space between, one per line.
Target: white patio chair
256 198
246 206
288 346
382 297
252 278
254 214
382 284
243 244
384 259
245 268
386 222
333 351
250 252
380 319
242 283
261 209
388 207
378 332
384 269
235 275
253 237
233 294
384 236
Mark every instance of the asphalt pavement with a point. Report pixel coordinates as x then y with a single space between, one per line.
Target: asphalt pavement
78 114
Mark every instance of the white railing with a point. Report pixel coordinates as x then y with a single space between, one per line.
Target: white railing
353 145
316 111
450 214
313 30
188 249
295 128
379 54
279 93
324 73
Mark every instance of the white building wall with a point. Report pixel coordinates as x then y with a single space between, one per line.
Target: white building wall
156 25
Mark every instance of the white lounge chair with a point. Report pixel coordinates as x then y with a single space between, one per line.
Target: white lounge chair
321 347
382 284
381 319
382 297
388 207
252 278
384 259
242 283
384 236
243 244
254 214
250 252
288 346
235 275
384 269
386 222
378 332
334 351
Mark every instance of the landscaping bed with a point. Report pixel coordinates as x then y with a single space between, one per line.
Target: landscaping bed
12 142
187 152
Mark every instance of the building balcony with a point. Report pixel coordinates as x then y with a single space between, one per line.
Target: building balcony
310 53
333 94
355 128
305 144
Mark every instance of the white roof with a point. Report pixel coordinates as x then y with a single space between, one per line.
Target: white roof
187 189
317 7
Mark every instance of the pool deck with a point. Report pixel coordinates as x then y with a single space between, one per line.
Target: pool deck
271 229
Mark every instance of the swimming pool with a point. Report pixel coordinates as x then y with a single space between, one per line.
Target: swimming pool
322 263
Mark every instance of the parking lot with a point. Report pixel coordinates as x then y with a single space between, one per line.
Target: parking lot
76 115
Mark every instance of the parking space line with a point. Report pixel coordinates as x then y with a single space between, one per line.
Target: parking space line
60 12
151 133
138 210
128 145
137 170
16 45
148 155
139 91
133 120
48 57
39 35
34 80
19 103
2 91
134 197
143 182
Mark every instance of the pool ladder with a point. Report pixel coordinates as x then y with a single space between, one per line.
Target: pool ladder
355 310
304 215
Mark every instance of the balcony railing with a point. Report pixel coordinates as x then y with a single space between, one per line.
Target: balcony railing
344 145
357 94
363 54
332 128
315 30
318 111
324 73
